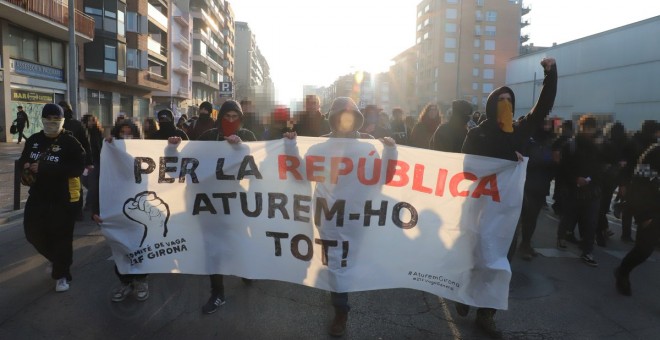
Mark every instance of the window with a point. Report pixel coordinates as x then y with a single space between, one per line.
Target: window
477 43
491 16
45 51
419 27
29 46
58 54
489 73
480 3
450 42
97 14
475 72
427 8
450 57
474 100
452 1
121 59
419 14
436 72
475 57
477 30
419 39
450 28
426 35
489 59
132 59
132 21
475 86
451 13
121 25
489 45
110 64
490 31
426 22
487 88
478 15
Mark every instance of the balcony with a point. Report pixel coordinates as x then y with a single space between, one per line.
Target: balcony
526 10
524 24
183 21
182 68
25 11
182 42
158 17
524 38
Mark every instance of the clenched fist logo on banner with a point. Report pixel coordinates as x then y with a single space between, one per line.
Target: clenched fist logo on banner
149 210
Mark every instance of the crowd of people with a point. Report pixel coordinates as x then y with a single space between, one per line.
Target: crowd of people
590 169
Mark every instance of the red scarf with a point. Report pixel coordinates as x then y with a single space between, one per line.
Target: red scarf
230 128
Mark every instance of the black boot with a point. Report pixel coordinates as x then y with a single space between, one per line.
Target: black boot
486 322
338 327
622 282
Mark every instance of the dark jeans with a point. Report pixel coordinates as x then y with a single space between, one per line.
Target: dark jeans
531 207
340 301
48 227
645 242
605 202
217 285
129 278
626 221
21 135
584 212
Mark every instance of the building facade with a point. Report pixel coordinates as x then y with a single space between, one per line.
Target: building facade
463 47
403 73
252 73
598 74
128 59
212 48
33 57
179 92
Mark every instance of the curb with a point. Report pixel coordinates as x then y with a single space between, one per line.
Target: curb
10 216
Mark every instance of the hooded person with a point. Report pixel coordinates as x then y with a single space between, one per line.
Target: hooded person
229 124
167 128
345 120
499 137
449 136
200 125
53 161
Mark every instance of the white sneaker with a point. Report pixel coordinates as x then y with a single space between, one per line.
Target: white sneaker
120 293
141 290
62 285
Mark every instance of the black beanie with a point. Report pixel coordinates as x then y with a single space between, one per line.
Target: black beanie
207 106
230 105
52 110
165 113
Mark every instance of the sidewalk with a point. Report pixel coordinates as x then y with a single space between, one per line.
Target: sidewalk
9 153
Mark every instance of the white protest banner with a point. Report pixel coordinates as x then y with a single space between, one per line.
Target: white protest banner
337 214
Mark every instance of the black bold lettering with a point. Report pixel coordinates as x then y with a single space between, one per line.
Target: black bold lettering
252 171
258 205
298 208
137 167
163 169
225 199
185 171
219 172
295 247
368 212
325 244
277 236
337 209
414 217
273 204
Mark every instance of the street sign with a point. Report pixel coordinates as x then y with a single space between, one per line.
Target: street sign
226 89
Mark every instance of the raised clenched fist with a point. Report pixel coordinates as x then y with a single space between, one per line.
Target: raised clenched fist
149 210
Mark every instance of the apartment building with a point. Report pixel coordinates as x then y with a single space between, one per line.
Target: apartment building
212 48
34 39
252 73
127 60
463 47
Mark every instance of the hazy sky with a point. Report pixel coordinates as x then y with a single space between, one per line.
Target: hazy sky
312 42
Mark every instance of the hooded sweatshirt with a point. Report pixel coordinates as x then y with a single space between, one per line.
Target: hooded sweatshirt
346 104
489 140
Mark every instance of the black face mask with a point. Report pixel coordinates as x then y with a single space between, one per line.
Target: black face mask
205 116
166 125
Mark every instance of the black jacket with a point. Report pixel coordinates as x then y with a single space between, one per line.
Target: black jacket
581 157
217 135
167 131
79 131
60 159
449 137
22 120
644 193
489 140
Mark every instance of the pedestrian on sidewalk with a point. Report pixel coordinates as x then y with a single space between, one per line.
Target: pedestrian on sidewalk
499 137
22 122
644 202
53 161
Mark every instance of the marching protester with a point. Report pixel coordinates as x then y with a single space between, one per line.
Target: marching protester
345 121
228 128
200 125
565 135
22 121
371 123
149 127
398 126
53 161
499 137
278 125
613 151
95 133
541 169
428 121
312 122
580 170
644 203
449 136
167 128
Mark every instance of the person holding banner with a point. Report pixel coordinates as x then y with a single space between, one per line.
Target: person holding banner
167 128
53 161
345 121
228 128
499 137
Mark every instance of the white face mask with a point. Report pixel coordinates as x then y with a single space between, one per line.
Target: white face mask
52 127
